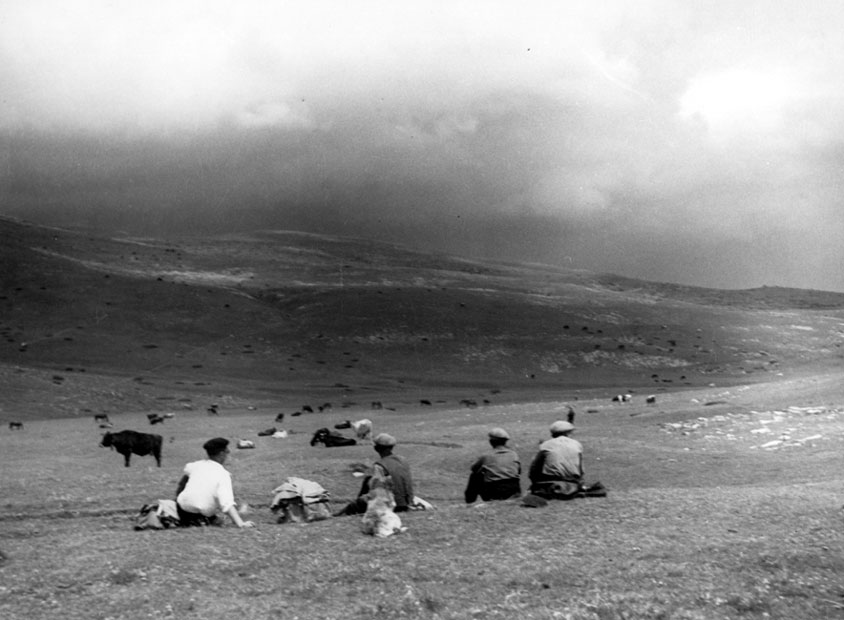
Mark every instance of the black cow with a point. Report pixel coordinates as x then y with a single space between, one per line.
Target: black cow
101 418
154 418
267 433
15 426
330 439
128 443
279 417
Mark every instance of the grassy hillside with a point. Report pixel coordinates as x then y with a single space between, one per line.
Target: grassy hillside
92 323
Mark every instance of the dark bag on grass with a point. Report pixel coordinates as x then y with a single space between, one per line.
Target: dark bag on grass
594 490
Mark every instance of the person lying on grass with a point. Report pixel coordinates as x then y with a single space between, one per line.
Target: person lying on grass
497 474
205 491
398 470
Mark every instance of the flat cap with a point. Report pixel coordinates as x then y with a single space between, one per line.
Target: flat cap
498 433
216 445
561 426
383 439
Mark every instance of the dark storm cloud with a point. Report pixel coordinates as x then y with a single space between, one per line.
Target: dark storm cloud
671 143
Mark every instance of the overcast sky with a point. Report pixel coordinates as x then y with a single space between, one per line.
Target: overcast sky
691 142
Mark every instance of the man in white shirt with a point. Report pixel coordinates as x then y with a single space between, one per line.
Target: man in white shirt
205 491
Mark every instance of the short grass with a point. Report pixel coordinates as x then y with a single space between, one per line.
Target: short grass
695 526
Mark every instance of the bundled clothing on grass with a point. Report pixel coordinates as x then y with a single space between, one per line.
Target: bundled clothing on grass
300 501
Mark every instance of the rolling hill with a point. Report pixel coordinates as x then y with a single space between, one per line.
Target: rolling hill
96 323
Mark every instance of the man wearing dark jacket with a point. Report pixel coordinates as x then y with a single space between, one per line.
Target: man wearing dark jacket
495 475
397 471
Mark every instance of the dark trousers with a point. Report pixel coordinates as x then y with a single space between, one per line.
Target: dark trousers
492 490
195 519
358 506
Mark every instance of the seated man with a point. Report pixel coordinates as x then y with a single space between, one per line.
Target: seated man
496 475
205 491
557 469
397 471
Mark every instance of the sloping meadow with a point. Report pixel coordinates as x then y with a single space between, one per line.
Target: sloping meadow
693 527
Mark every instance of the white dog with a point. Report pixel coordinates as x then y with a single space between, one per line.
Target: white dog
379 520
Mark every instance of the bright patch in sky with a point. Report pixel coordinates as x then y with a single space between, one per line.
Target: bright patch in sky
737 101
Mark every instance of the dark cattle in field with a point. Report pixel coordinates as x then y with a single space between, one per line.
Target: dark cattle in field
15 426
128 443
308 409
267 433
324 406
425 401
279 417
154 418
330 439
469 402
376 404
570 414
212 410
101 418
651 400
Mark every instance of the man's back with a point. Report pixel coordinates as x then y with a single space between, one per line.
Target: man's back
399 472
559 458
500 464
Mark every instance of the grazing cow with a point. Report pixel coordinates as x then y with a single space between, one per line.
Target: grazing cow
324 406
376 404
468 402
622 398
15 426
651 400
279 417
213 410
245 444
154 418
308 409
330 439
425 401
280 434
101 418
267 433
128 443
362 428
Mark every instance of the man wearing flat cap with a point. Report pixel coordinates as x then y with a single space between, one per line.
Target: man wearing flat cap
205 491
557 469
395 469
497 474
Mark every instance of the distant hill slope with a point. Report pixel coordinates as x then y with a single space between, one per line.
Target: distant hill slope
91 322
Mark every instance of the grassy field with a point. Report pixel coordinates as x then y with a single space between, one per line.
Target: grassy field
701 521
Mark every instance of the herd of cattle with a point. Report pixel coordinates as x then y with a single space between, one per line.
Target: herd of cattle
131 442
